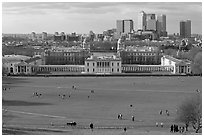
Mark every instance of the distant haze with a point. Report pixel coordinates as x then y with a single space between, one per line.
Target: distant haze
81 17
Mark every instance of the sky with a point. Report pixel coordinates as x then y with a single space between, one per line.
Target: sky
82 17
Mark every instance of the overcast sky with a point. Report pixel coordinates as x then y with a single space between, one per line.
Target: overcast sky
96 16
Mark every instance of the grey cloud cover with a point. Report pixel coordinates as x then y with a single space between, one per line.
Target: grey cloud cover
107 12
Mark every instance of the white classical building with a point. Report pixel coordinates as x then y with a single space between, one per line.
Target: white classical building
9 62
102 63
18 64
179 66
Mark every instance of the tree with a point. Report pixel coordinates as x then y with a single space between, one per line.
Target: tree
190 112
4 71
197 64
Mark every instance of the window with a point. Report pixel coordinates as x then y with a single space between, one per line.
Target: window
112 64
93 70
118 69
87 64
87 70
118 64
93 64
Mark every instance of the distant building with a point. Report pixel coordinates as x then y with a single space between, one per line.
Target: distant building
185 29
33 36
61 37
73 37
161 25
119 27
141 21
151 22
128 26
44 36
66 56
103 64
124 27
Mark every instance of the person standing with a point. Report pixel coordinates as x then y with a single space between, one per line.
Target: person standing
133 118
91 126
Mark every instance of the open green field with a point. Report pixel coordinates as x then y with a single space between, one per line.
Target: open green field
113 95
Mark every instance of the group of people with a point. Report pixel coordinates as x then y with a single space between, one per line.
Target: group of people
36 94
161 124
176 128
167 112
5 89
63 96
120 117
92 127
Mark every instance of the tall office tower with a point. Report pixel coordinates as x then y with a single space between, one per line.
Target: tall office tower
150 22
185 29
44 35
128 26
141 21
33 36
188 28
161 25
119 27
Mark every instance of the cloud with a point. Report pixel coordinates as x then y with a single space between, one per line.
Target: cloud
96 14
96 7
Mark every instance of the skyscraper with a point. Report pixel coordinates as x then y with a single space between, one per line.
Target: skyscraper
161 25
119 27
188 28
150 22
141 21
185 29
128 26
123 26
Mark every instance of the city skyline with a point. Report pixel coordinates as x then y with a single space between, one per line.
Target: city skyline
81 17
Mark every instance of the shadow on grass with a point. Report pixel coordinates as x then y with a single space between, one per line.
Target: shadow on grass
22 103
14 80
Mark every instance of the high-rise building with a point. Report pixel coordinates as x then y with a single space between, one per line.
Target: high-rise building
119 27
188 28
141 21
150 22
185 29
150 17
128 26
161 25
44 35
124 26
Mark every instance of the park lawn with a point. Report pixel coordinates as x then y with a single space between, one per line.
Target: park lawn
112 95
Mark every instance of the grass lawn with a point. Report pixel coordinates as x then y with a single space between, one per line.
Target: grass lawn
113 95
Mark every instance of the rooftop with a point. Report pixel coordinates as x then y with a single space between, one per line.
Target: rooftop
177 60
14 58
32 59
113 57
